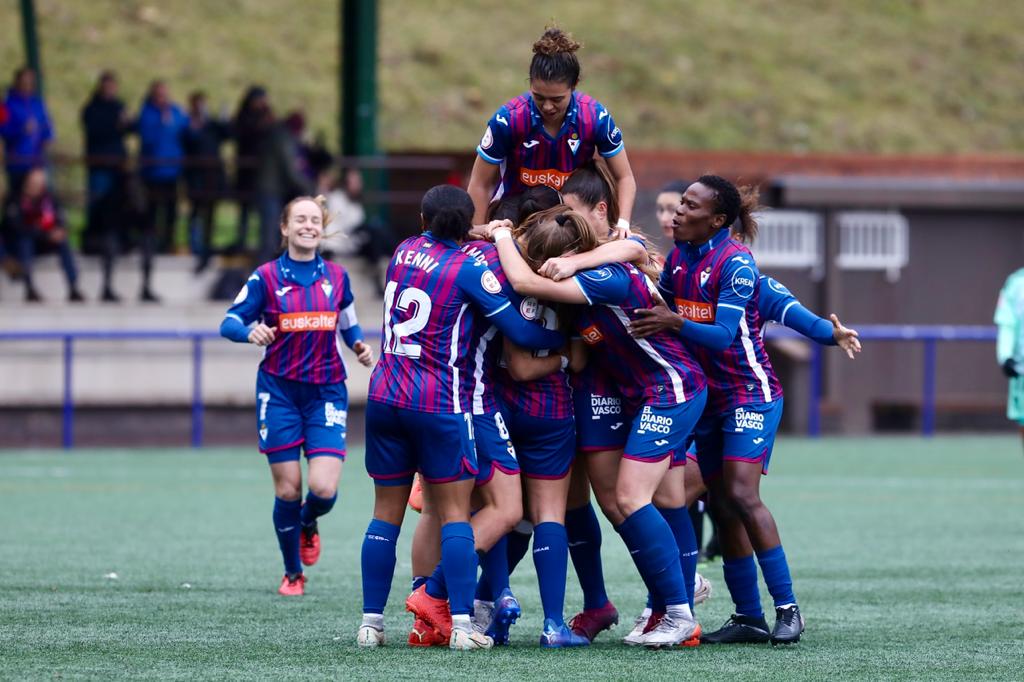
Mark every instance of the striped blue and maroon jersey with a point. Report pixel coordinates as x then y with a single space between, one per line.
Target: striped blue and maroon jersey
428 326
547 397
657 370
309 319
703 279
516 140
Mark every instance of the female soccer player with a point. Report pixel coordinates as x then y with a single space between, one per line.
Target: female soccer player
418 417
712 281
666 202
297 307
541 136
662 388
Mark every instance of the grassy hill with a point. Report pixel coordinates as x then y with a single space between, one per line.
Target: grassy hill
864 75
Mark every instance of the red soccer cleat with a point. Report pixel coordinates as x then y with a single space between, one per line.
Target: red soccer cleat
292 587
590 623
309 545
416 495
424 635
433 611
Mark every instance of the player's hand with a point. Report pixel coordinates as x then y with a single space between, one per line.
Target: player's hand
846 338
1010 369
364 354
623 233
262 335
558 268
488 229
653 320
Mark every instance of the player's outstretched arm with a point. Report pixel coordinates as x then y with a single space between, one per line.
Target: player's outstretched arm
524 280
846 338
618 251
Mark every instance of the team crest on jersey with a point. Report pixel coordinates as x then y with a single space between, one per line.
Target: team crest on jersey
574 143
490 282
487 140
592 335
704 275
327 287
528 308
743 282
777 286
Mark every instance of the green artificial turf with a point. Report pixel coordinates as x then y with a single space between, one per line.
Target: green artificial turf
907 558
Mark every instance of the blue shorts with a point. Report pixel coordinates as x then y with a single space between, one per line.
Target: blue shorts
664 431
293 415
545 447
600 422
494 449
400 442
745 434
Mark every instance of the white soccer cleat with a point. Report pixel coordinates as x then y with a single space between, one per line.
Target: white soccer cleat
671 632
483 611
369 637
701 589
469 640
636 635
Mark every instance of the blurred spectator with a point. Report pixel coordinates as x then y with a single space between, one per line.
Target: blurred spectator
161 126
278 179
26 131
34 223
204 174
350 232
106 122
250 127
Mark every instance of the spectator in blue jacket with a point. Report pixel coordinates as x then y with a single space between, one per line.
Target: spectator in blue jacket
26 131
162 125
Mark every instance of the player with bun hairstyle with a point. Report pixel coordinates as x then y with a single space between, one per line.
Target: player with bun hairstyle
419 416
541 136
662 390
711 280
299 307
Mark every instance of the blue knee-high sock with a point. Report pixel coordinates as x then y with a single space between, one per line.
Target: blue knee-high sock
741 579
286 524
458 562
316 507
775 570
378 564
495 570
551 559
682 528
518 546
436 585
655 553
584 533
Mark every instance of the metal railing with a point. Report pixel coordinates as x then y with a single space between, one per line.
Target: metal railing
929 335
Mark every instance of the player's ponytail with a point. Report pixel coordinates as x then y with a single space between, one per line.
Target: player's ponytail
554 58
738 205
447 212
553 233
536 199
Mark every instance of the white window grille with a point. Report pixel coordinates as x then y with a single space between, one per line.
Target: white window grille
874 241
789 239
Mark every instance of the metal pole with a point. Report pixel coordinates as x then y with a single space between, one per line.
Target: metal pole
31 38
359 77
197 391
68 417
928 389
814 404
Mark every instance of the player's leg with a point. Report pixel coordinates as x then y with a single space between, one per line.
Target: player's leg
325 420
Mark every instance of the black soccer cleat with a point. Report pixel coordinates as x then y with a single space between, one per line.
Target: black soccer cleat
739 630
789 625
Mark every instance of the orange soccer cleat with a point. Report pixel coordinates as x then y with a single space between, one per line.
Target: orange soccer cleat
433 611
309 545
422 634
416 495
694 640
294 586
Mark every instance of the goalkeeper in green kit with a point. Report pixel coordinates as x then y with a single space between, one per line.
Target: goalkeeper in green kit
1010 343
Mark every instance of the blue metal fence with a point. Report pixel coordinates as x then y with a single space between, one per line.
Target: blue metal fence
930 336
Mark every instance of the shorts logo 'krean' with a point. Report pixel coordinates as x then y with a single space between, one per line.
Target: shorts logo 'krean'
696 311
549 177
307 322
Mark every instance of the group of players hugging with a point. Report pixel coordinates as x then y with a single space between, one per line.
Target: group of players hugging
536 348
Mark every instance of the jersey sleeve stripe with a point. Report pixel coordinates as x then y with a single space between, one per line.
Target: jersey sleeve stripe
487 157
580 285
495 312
236 317
734 307
782 317
347 318
608 155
